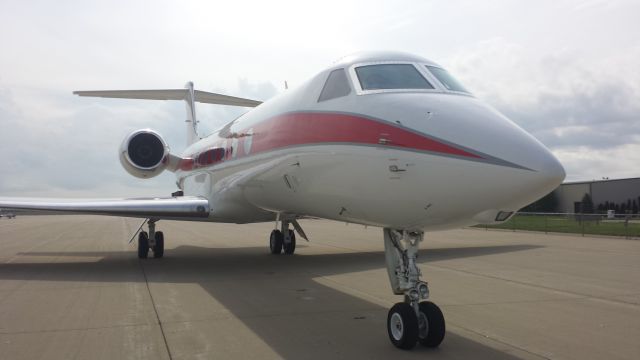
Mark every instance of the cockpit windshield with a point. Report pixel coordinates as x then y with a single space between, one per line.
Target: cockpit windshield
446 79
391 76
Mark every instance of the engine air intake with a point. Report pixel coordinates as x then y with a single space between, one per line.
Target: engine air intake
145 150
144 153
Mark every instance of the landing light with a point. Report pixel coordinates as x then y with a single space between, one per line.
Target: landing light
424 290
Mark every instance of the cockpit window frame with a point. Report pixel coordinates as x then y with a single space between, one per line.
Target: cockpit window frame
444 88
422 68
355 82
328 92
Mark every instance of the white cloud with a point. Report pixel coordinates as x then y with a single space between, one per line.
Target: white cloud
586 109
582 163
565 70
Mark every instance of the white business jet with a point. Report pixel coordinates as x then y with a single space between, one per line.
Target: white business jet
381 139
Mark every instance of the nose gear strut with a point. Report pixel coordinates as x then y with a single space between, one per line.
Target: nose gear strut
413 320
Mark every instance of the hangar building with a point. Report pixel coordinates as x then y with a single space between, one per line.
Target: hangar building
617 192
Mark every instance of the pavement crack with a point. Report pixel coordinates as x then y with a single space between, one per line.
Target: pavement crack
155 310
69 329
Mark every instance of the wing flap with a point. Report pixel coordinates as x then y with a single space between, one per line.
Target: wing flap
183 207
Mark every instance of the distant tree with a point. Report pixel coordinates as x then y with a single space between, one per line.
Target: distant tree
634 206
601 208
587 204
549 203
623 208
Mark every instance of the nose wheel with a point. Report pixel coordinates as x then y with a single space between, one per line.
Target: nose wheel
431 327
415 320
402 326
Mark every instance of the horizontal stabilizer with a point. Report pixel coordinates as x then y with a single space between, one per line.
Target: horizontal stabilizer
183 207
172 94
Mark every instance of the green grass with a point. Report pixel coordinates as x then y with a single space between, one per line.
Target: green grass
570 224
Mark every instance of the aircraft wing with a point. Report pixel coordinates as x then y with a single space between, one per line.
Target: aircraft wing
183 207
172 94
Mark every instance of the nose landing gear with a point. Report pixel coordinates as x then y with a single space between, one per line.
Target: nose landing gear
415 320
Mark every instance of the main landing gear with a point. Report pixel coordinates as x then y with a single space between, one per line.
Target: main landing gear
282 240
153 240
415 320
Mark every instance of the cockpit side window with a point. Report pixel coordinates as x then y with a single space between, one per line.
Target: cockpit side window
449 82
391 76
336 86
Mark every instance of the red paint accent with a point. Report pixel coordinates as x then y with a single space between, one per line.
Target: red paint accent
186 164
318 128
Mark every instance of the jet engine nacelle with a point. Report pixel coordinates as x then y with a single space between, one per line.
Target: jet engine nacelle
144 153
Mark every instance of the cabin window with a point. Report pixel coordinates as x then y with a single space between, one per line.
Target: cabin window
448 81
210 156
391 76
336 86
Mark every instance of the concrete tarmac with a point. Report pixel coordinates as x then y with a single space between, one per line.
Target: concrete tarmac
71 287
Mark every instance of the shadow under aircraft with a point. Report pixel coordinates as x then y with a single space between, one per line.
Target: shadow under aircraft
277 298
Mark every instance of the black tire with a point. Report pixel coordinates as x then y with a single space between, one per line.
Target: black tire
290 248
275 242
432 334
158 248
143 245
402 326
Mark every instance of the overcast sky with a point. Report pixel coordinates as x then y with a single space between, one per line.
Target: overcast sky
567 71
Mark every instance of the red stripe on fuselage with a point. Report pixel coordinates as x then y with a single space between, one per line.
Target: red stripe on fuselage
317 128
313 128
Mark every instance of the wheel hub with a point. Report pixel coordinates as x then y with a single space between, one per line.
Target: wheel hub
397 326
423 326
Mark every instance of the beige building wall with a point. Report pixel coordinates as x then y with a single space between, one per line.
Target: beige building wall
568 194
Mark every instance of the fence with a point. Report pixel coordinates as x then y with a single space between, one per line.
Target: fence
627 225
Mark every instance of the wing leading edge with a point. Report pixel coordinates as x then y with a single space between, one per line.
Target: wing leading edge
184 207
172 94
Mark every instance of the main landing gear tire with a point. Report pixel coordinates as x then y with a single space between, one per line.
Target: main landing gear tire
402 326
431 324
143 245
158 248
290 248
276 241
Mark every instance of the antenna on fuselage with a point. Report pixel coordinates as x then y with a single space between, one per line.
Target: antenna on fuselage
286 86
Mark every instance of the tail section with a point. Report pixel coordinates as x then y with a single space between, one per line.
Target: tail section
188 94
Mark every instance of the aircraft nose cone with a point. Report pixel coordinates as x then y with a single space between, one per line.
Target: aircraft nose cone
545 176
551 172
556 172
